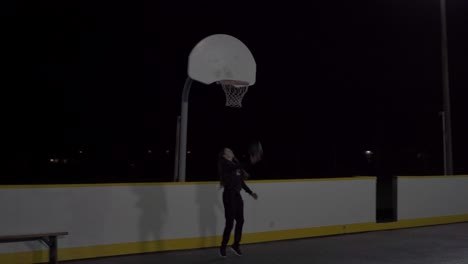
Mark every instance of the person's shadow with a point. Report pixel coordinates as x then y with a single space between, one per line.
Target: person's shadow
153 205
208 198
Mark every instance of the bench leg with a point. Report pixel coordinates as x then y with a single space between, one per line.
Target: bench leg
53 250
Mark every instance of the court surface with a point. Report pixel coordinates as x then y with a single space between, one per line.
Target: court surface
445 244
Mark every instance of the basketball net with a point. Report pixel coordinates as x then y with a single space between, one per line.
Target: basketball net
234 94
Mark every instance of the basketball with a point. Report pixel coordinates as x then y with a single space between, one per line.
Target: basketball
255 151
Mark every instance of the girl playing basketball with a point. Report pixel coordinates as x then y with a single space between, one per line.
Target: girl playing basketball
232 177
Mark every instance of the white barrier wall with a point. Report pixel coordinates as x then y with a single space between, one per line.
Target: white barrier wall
424 197
111 214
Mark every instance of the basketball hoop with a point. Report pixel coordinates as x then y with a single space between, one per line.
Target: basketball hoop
221 59
234 91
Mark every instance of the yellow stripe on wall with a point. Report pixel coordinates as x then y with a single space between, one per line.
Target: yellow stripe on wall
45 186
191 243
433 177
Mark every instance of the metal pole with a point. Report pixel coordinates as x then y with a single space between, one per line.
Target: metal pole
183 129
446 91
442 114
177 146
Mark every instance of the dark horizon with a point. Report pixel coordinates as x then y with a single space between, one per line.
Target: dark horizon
333 80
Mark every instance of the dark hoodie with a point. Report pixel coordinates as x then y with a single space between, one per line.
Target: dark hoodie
231 175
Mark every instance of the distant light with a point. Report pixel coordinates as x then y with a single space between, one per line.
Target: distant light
150 151
80 151
168 151
368 152
189 152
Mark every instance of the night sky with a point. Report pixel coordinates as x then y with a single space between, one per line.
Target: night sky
99 85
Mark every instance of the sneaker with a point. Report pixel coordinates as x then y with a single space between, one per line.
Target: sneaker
222 252
236 250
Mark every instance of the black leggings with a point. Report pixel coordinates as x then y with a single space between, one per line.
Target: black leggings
233 210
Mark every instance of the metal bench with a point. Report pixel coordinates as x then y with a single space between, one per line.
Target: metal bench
49 238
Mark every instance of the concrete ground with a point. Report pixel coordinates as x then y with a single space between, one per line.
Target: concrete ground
445 244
